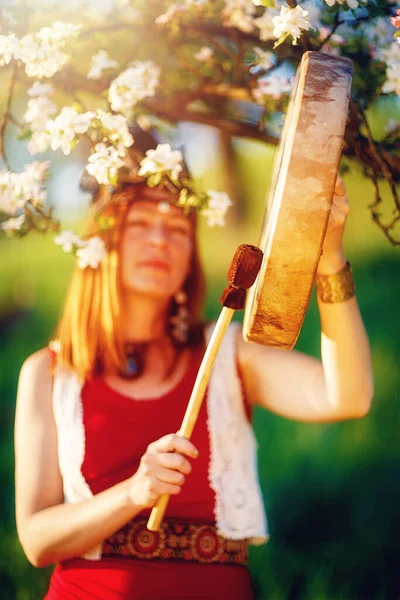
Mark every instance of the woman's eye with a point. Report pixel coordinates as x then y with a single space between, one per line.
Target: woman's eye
179 229
137 224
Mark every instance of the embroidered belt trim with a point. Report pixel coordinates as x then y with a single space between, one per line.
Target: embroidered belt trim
178 541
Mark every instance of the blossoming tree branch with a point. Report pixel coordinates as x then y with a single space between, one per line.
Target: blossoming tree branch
91 69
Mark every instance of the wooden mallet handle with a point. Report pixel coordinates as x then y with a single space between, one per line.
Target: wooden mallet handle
242 274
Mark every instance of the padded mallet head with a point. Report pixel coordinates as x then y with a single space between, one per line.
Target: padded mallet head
242 274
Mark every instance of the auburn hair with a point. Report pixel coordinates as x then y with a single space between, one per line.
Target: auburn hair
90 329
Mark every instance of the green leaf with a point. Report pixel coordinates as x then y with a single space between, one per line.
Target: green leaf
24 134
397 34
183 197
268 3
154 180
114 180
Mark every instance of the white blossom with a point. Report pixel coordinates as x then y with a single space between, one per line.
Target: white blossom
91 254
392 83
217 207
39 142
265 24
13 224
40 89
66 126
175 9
68 240
16 189
290 21
314 13
40 107
117 130
273 86
162 160
264 59
9 46
239 13
165 18
204 54
99 63
350 3
104 163
58 32
391 55
136 83
41 53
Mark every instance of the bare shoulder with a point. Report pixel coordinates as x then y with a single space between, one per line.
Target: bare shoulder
36 375
38 364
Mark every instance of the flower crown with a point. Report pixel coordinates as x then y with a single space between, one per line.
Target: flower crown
160 167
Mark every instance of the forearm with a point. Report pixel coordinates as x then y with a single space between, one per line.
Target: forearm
67 530
345 351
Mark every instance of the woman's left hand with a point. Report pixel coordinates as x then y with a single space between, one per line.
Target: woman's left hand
333 257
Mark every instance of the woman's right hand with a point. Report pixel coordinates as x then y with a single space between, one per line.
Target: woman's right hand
163 469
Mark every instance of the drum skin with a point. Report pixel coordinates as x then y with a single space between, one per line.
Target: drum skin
300 200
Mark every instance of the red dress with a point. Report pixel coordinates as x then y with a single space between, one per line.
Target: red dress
118 430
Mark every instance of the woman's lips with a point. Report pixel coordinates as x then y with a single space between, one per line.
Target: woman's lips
155 264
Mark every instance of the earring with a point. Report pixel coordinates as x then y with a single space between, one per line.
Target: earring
180 321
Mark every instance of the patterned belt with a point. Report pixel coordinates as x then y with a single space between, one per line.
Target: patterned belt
180 541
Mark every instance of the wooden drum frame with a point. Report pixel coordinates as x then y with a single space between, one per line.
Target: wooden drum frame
300 199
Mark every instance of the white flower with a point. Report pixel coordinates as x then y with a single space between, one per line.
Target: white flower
314 12
219 200
41 54
91 254
218 204
273 86
83 121
136 83
40 106
104 163
58 32
9 46
264 59
239 13
117 130
100 62
64 128
163 19
290 21
41 59
13 224
39 142
265 24
350 3
68 240
162 160
204 54
40 89
392 83
16 189
391 55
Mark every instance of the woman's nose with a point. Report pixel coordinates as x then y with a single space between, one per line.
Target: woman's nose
158 235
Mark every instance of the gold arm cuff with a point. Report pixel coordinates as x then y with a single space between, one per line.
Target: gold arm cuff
337 287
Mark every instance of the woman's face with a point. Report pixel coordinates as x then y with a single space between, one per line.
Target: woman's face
157 245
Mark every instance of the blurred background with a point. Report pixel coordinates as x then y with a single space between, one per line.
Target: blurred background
332 492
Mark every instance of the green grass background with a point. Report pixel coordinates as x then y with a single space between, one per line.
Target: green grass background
332 492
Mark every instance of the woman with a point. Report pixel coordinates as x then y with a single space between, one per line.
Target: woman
95 423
